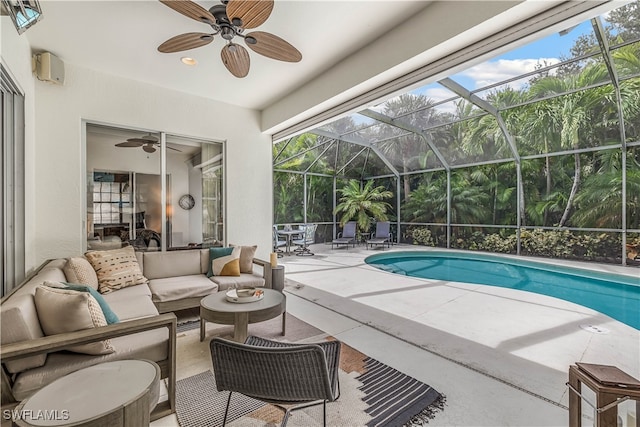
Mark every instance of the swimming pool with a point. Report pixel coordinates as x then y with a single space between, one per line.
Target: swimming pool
617 296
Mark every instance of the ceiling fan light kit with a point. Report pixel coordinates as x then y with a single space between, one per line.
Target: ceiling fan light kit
229 20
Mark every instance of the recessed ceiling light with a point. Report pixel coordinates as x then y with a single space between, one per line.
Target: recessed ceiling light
188 61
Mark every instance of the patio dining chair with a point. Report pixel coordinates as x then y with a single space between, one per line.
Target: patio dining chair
288 376
277 242
308 238
382 235
347 236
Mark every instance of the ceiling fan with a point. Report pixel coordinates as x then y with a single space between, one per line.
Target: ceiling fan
147 142
229 20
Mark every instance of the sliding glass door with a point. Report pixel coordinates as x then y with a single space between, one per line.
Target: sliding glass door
130 203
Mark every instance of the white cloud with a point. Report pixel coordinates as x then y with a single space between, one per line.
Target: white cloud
491 72
438 93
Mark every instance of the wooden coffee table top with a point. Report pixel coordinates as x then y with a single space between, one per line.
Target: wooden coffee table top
217 302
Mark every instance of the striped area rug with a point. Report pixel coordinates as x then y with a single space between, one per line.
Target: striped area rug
396 399
372 394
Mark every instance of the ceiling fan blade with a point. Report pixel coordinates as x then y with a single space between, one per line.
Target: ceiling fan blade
236 59
139 141
249 13
129 143
191 10
149 137
149 148
272 47
185 42
174 149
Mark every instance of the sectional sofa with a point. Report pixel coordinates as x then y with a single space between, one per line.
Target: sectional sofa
32 356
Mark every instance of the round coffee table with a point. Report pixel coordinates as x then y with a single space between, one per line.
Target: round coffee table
119 393
215 308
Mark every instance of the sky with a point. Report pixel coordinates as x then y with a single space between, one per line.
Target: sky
546 51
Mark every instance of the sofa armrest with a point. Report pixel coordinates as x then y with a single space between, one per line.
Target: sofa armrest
266 271
58 342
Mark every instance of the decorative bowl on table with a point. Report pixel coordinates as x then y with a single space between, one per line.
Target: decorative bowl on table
244 295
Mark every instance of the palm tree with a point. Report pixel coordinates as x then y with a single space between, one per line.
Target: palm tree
575 115
363 203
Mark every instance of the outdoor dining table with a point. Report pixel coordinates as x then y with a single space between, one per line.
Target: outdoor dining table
289 237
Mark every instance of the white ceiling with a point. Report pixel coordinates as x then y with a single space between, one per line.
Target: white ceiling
121 38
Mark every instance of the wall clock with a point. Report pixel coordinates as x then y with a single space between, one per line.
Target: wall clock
187 202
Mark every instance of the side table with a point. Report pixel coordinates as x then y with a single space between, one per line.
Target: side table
120 393
277 278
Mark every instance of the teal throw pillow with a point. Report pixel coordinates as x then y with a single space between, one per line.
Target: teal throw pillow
217 253
109 315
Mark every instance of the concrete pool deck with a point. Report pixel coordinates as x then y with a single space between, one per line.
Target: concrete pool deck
500 355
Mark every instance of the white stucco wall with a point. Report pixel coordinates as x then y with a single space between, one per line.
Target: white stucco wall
94 96
15 54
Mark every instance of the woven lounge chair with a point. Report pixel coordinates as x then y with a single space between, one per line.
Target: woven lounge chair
347 236
382 236
288 376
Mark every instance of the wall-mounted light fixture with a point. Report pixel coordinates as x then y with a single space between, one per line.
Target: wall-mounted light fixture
23 13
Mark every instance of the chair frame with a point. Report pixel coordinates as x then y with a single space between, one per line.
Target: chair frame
346 236
278 373
277 243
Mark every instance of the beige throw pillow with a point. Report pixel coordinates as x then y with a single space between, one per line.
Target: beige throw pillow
63 310
247 253
116 269
79 270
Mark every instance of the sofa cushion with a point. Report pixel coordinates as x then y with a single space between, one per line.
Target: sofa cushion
116 268
19 322
79 270
246 258
134 307
176 288
150 345
227 265
64 310
130 292
242 281
159 265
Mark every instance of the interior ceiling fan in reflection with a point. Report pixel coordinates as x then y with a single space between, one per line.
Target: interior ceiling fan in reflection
229 20
147 142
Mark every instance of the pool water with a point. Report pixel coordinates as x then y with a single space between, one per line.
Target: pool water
617 296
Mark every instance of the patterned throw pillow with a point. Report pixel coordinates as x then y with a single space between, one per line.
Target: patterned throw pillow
64 310
246 258
116 269
227 265
79 270
217 253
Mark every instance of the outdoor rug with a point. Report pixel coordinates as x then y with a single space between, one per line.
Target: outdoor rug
372 394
